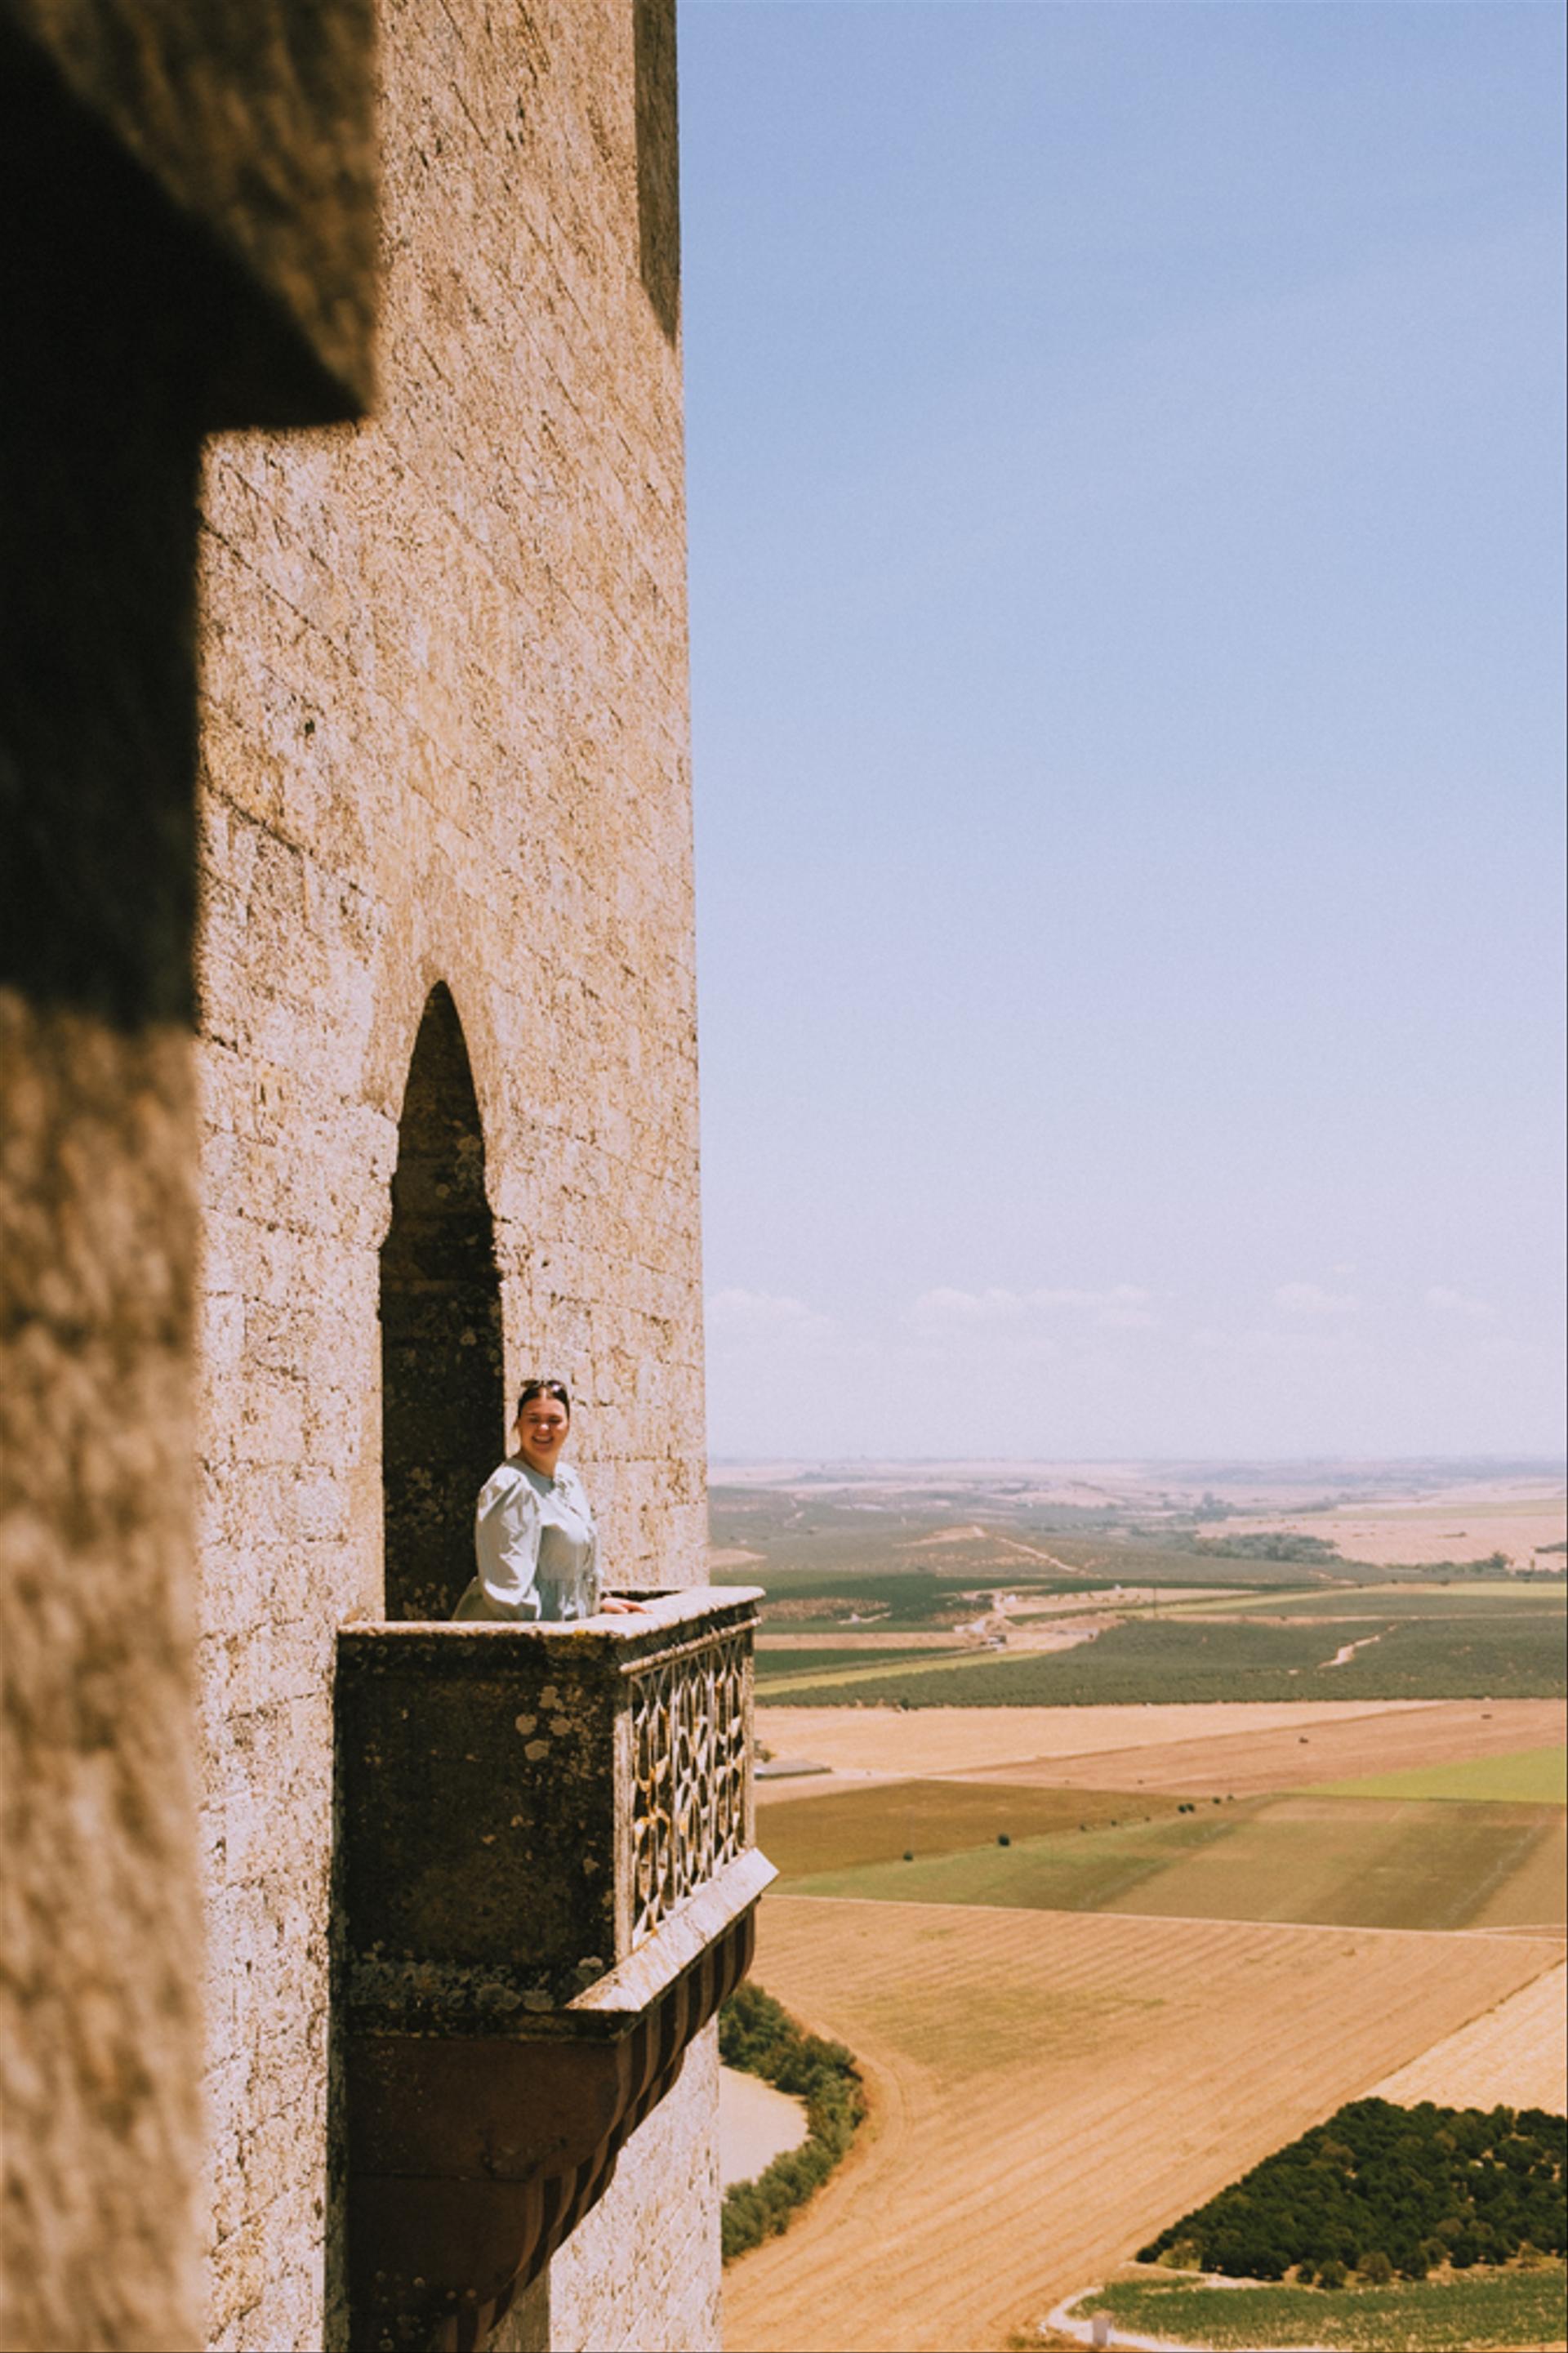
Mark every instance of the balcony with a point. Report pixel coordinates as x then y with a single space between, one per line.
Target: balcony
549 1884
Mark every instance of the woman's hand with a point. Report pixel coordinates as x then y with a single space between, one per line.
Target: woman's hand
619 1605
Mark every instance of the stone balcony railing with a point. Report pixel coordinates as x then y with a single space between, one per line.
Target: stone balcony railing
548 1884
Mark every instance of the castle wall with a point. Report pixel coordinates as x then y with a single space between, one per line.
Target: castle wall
444 740
136 311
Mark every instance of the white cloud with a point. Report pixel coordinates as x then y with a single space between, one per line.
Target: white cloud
1444 1301
941 1313
738 1316
1123 1308
945 1311
1311 1299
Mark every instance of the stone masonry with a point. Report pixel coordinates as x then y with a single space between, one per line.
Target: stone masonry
443 741
189 242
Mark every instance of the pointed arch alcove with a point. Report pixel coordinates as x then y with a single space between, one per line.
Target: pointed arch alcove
442 1376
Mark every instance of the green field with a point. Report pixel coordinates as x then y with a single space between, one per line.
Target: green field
1529 1777
1331 1862
845 1830
1509 1657
1454 2316
800 1666
1392 1601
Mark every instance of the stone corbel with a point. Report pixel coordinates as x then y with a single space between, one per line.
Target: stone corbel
550 1886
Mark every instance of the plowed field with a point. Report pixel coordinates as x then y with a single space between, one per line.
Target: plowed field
1052 2088
1515 2056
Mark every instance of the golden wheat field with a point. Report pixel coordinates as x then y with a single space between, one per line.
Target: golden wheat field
1050 2089
1307 1747
886 1740
1513 2056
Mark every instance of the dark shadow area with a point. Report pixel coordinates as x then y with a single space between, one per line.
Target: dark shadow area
443 1402
100 424
128 335
658 160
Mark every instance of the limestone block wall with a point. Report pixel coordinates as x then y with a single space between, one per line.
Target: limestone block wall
146 293
443 741
640 2274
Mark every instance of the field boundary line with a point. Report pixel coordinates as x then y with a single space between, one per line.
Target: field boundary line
1182 1920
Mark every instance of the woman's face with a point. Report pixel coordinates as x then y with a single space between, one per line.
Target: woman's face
542 1428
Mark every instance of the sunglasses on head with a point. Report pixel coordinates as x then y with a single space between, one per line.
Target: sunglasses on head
537 1389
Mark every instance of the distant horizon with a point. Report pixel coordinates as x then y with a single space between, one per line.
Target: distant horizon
1524 1465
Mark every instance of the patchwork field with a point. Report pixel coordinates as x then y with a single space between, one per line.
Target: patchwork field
1164 1809
1188 1949
1050 2088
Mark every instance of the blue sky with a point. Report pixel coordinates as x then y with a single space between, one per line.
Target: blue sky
1126 493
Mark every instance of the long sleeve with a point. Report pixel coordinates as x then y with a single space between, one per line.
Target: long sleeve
506 1541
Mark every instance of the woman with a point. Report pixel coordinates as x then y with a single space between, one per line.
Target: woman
533 1530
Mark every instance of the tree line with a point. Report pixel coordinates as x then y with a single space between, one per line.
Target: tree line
757 2034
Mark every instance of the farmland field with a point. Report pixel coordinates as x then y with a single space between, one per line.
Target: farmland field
1516 1654
1536 1597
1240 1745
863 1825
1383 1863
1280 1829
1445 2317
1514 2056
1524 1776
1048 2089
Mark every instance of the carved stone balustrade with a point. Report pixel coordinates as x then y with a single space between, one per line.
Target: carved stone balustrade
548 1886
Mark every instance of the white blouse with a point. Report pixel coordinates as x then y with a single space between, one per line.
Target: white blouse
537 1547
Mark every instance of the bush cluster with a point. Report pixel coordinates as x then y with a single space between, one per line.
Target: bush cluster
757 2034
1381 2190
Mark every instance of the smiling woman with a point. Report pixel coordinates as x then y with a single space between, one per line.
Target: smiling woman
534 1535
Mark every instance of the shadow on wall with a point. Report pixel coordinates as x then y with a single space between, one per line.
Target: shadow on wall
442 1376
658 160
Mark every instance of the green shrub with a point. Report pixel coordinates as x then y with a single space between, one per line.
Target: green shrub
758 2035
1393 2189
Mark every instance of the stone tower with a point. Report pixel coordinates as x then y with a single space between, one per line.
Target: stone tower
417 777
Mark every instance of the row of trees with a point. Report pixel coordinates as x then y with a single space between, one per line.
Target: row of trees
1381 2190
757 2034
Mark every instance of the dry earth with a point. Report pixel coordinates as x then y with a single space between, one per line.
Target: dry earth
1452 1529
1052 2088
896 1743
1515 2056
756 2124
1252 1761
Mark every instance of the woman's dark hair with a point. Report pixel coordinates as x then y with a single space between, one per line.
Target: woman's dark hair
530 1389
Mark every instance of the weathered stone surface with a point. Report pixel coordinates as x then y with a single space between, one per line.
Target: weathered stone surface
255 125
548 1886
443 746
522 1807
134 320
98 2013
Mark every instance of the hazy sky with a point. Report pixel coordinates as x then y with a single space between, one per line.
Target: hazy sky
1125 470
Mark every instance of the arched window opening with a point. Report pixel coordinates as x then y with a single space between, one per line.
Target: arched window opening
443 1404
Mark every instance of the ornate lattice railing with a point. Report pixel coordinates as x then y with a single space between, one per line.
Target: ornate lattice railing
691 1736
549 1886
